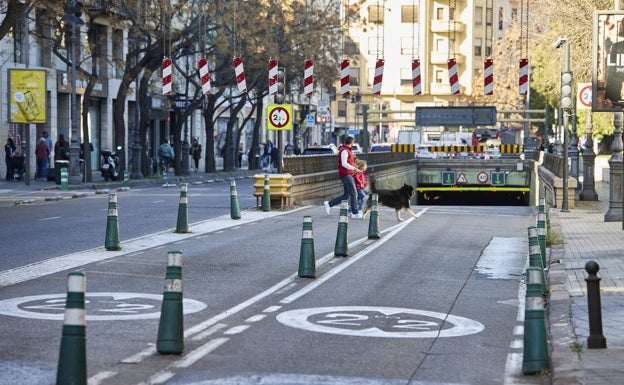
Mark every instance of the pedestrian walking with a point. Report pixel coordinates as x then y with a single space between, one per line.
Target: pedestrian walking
361 183
165 152
42 153
9 152
61 149
196 150
346 173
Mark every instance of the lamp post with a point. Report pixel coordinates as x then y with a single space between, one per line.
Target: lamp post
72 17
136 140
567 109
588 192
357 99
186 146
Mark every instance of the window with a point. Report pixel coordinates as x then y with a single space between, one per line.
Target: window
501 17
488 47
440 13
406 76
439 76
375 14
488 16
409 14
118 62
342 108
439 45
352 46
407 46
477 46
354 76
478 16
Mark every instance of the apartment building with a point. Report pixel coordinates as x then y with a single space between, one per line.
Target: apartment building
400 31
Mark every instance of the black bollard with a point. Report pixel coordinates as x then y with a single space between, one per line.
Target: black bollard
595 340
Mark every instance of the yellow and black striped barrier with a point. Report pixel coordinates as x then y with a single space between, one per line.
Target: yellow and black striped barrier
398 147
510 148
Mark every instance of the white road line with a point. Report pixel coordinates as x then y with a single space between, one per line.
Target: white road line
150 241
236 330
138 357
48 219
200 352
208 332
101 376
271 309
255 318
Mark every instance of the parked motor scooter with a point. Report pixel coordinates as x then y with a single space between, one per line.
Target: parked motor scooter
109 164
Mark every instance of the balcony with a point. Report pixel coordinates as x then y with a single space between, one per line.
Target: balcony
442 26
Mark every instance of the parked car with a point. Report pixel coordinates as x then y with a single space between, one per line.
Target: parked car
320 150
379 147
355 149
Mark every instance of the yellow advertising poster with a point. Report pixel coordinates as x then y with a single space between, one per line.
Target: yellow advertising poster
27 96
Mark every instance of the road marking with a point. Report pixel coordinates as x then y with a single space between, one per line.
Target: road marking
310 379
138 357
236 330
105 306
48 219
385 322
208 332
101 376
82 258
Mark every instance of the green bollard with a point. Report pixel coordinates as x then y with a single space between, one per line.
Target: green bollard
72 362
64 179
342 235
126 180
535 352
373 222
182 224
165 182
171 323
535 255
307 260
541 236
266 195
112 224
234 206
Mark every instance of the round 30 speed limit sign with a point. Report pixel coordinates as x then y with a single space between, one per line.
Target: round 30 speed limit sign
279 117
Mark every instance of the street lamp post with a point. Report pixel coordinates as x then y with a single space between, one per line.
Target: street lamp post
588 192
72 17
567 109
136 139
186 146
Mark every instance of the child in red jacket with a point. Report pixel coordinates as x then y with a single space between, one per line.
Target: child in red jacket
360 182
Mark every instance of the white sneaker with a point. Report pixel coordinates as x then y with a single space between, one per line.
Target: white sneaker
357 216
327 208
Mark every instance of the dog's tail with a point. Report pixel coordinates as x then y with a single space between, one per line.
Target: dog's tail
371 183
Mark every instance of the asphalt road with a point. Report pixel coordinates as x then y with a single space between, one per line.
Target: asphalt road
436 300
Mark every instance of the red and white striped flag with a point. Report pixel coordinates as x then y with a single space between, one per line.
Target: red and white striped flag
166 80
416 86
308 77
488 79
272 77
204 75
523 79
239 70
453 79
344 78
377 80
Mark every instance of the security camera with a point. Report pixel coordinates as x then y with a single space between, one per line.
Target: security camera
559 42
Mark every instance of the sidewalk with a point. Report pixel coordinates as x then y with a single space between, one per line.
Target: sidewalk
587 237
39 190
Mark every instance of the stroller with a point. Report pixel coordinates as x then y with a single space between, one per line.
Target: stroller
19 170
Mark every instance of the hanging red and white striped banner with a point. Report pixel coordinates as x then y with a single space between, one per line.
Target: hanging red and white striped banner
166 80
523 79
453 79
344 78
308 77
272 77
416 86
239 70
377 80
488 77
204 75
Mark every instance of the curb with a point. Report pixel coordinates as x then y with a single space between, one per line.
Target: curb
567 368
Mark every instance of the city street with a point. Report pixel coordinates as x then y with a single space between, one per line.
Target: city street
437 299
